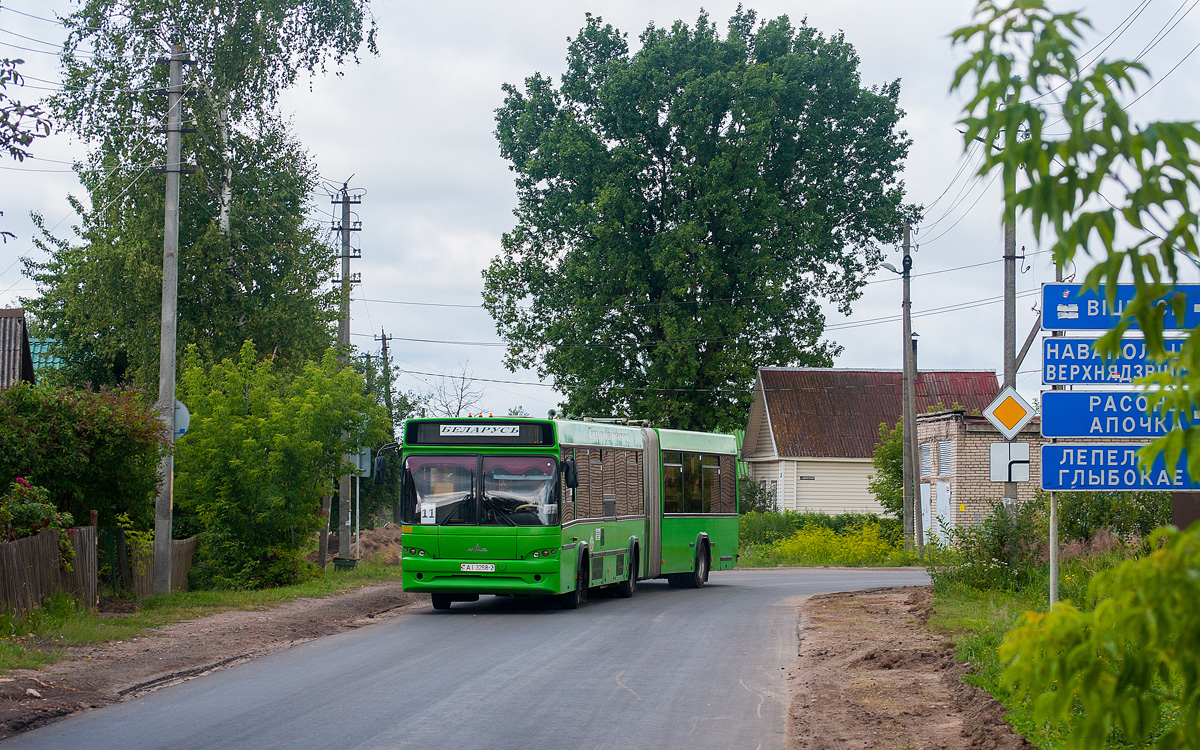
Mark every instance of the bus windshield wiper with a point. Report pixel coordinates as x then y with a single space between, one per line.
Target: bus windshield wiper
497 511
466 498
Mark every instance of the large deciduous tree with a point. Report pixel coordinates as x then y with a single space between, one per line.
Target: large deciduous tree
685 210
20 123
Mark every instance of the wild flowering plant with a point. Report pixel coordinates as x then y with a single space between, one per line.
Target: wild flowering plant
27 511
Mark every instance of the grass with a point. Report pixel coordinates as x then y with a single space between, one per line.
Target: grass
35 641
977 620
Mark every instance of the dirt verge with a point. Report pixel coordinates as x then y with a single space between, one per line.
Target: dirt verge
99 675
870 674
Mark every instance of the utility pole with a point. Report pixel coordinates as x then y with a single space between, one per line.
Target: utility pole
1010 327
387 380
346 281
909 401
387 399
163 509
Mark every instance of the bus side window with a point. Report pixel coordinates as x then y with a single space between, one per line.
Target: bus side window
672 483
691 483
710 491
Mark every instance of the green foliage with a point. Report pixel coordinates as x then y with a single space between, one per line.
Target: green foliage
1130 666
887 483
756 497
140 541
1004 551
1129 515
847 539
1091 179
19 123
91 451
685 209
756 527
26 511
260 453
99 299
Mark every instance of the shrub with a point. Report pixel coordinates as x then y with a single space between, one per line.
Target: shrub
25 512
756 497
261 451
91 451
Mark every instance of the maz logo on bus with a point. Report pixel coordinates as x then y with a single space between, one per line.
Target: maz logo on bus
480 429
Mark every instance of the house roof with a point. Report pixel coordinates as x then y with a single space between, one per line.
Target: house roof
16 364
836 413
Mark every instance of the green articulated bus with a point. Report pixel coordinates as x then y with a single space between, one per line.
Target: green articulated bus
519 506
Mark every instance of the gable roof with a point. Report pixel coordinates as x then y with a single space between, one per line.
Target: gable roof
835 413
16 364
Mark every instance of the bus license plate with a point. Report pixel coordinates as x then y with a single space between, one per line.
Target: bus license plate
477 568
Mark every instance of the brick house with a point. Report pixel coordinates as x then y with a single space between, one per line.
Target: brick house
955 471
811 432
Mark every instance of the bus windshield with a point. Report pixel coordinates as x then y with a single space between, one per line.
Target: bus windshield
480 490
519 490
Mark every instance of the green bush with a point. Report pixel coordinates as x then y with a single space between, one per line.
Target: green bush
25 512
756 497
260 453
1130 515
91 451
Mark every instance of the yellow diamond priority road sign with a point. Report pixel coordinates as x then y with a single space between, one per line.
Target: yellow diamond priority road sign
1009 413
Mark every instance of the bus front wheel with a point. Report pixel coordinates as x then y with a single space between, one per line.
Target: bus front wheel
572 599
440 601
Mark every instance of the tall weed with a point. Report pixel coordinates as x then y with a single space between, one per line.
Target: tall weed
825 540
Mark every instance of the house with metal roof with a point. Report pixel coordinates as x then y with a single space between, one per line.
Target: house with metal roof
811 431
16 362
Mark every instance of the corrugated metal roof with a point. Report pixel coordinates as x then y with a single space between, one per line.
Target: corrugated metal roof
836 413
15 362
42 358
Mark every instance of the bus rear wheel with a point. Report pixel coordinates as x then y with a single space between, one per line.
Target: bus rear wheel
700 574
440 601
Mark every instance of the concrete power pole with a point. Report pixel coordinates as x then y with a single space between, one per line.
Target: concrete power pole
387 399
907 397
1010 327
346 281
163 509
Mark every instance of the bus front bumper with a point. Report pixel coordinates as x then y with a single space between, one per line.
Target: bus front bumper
425 575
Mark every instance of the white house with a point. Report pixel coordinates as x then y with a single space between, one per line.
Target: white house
812 431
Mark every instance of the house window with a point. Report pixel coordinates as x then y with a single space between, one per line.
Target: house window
926 459
943 458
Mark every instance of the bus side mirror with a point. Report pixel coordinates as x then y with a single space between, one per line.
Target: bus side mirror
379 475
570 474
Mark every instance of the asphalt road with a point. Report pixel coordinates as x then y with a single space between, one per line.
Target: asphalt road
670 668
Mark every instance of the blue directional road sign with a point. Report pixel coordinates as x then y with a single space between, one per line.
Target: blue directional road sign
1067 307
1106 467
1108 414
1071 361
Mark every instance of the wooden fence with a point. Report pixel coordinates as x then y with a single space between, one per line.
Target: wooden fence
29 570
181 562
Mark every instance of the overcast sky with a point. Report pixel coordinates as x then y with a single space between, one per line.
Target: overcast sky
412 128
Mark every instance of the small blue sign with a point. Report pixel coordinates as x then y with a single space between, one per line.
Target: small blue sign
1067 307
1108 414
1107 467
1070 361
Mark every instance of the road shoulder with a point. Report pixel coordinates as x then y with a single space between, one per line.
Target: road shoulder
870 674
